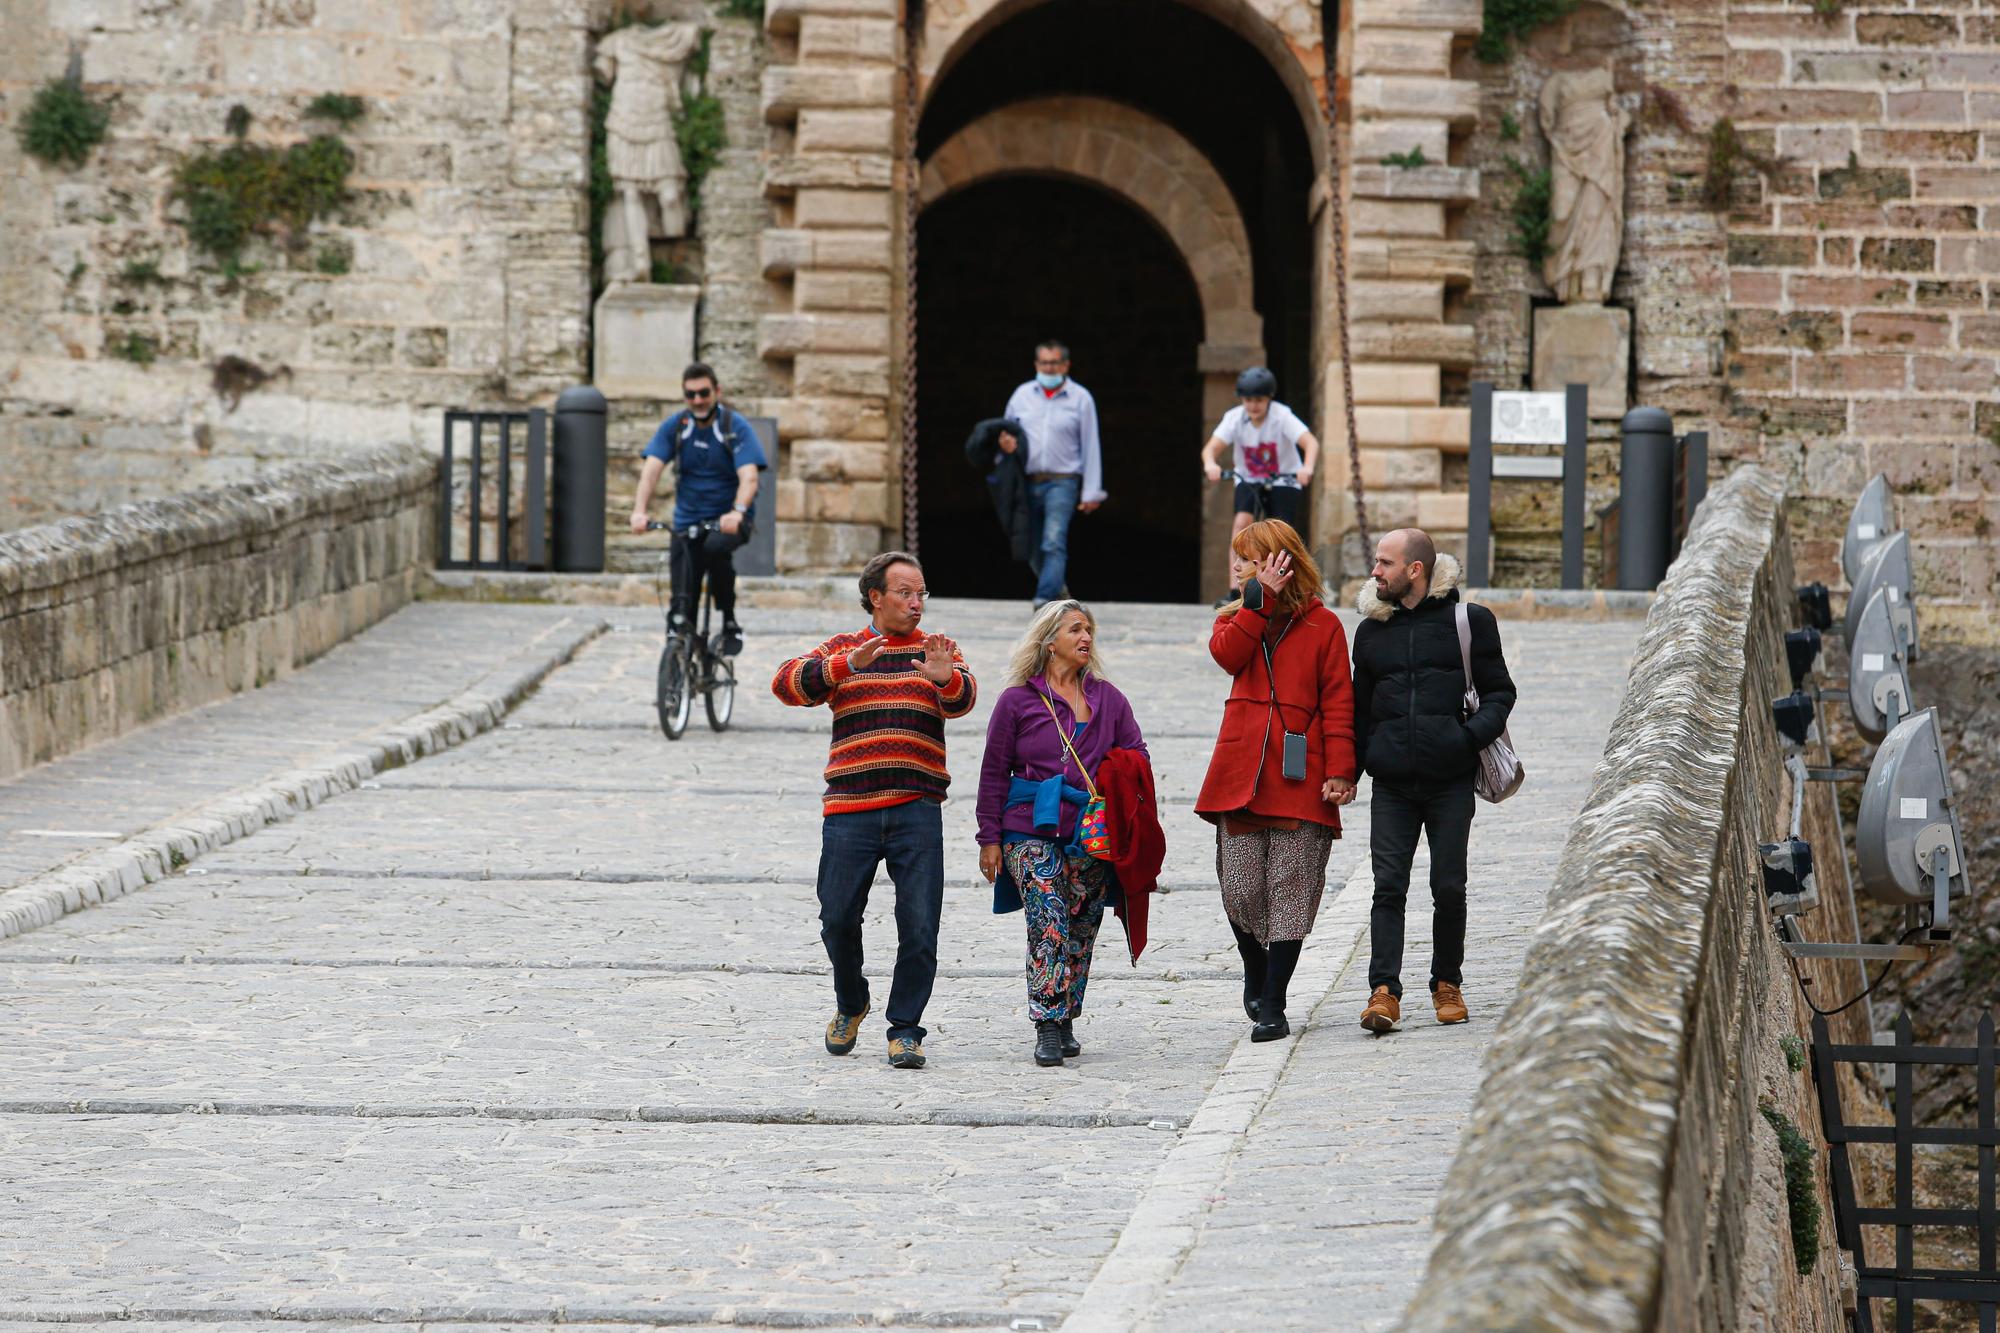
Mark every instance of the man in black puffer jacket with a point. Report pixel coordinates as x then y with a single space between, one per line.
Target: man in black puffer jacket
1415 739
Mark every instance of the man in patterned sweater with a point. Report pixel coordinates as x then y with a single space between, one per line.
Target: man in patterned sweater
890 688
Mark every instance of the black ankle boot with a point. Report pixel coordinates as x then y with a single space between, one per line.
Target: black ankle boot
1071 1047
1254 965
1048 1042
1283 957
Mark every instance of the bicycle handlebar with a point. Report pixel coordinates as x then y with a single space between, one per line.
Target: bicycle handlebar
712 525
1230 474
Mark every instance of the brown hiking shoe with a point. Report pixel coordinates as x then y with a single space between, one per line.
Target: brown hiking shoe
1449 1003
1384 1011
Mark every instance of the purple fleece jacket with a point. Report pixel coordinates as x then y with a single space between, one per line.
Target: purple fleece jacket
1022 741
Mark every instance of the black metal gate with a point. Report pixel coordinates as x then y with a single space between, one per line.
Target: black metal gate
1903 1281
534 551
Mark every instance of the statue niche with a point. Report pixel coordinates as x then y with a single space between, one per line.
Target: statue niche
644 66
1584 341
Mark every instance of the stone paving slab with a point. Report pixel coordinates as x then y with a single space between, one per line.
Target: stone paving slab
397 1218
412 661
544 924
696 1042
318 920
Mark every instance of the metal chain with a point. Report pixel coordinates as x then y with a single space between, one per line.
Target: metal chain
913 22
1329 36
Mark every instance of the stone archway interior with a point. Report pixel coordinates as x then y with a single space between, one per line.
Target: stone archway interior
1110 283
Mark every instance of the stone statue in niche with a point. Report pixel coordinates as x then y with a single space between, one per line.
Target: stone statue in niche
1586 128
643 66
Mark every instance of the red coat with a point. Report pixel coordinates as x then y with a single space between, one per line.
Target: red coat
1133 814
1315 695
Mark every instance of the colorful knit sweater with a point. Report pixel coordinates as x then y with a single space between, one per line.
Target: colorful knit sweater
888 720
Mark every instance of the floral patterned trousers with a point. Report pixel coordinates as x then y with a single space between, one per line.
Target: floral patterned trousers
1064 900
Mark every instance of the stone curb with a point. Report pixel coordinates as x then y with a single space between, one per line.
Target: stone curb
158 852
1167 1221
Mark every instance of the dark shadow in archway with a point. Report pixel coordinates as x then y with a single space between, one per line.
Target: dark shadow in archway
1213 87
1016 259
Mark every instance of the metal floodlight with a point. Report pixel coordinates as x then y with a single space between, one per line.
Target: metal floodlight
1789 887
1817 606
1871 521
1878 685
1907 838
1887 568
1801 653
1792 714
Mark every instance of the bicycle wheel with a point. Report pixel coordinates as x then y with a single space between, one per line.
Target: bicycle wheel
720 697
672 697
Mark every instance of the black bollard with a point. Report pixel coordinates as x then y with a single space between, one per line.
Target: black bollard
577 499
1645 498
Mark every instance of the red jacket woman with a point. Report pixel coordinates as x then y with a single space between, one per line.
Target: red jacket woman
1287 656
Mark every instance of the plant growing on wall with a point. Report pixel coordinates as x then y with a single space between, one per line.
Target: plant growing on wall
744 9
63 122
698 127
1801 1191
1411 160
342 109
1534 190
247 189
1507 21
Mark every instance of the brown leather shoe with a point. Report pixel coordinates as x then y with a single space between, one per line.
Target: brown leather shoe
1384 1011
1449 1003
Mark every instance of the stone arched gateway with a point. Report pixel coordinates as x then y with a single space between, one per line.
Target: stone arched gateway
835 96
1149 165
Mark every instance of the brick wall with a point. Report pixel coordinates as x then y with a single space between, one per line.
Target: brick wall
1862 332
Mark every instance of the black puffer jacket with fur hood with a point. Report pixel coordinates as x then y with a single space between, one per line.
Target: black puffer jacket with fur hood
1409 685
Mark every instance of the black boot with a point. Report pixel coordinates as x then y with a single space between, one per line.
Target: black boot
1071 1047
1253 968
1048 1042
1271 1024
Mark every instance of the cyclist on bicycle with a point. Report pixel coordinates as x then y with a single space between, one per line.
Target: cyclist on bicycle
1274 454
716 458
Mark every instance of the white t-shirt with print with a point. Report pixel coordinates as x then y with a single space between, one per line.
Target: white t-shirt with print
1264 451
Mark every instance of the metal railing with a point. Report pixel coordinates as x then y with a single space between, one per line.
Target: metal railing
1902 1280
533 423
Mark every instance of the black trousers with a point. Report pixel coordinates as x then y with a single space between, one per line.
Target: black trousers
709 554
1397 813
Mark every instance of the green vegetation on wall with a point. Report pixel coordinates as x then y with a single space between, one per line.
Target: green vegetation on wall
1412 159
247 189
342 109
64 123
1508 21
744 9
1534 192
1801 1190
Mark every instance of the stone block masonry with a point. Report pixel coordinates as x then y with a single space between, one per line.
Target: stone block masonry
111 621
1861 282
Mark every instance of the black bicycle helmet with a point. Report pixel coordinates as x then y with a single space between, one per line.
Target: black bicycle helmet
1256 382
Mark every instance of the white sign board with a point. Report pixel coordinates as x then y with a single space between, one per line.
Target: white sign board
1530 418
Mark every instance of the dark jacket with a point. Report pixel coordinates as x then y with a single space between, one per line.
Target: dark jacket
1409 684
1006 481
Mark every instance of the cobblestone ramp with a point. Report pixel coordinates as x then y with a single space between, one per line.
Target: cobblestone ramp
529 1031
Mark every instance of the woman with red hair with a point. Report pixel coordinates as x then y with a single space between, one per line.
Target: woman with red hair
1283 763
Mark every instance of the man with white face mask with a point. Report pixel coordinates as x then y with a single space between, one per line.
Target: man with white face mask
1065 469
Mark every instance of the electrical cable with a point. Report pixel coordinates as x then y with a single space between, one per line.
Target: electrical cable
1784 928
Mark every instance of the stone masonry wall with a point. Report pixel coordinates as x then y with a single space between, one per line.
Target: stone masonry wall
1862 275
1615 1173
110 621
464 237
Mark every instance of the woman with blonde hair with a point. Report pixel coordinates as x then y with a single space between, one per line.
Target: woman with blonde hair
1051 728
1283 763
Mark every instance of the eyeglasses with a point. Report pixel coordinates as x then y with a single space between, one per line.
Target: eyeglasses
699 395
909 594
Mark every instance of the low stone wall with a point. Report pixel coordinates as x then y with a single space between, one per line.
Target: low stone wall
109 621
1616 1173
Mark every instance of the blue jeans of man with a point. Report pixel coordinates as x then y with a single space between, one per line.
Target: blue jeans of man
910 839
1053 504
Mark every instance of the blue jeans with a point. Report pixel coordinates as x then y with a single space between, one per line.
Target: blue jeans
910 837
1053 504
